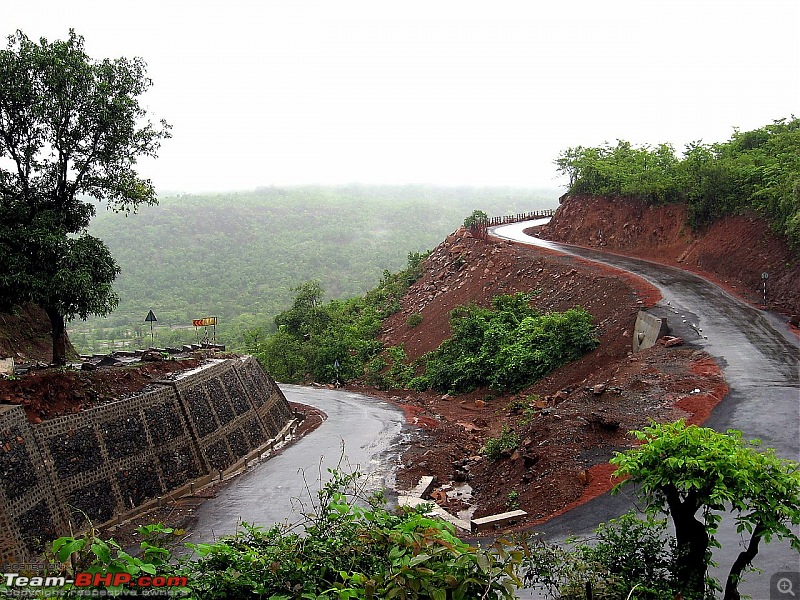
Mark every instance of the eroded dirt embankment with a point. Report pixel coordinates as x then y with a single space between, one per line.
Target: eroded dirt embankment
570 422
733 251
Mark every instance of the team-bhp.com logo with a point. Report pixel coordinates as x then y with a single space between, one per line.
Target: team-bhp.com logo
95 582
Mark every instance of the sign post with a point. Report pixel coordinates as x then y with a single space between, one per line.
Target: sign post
206 323
764 277
151 318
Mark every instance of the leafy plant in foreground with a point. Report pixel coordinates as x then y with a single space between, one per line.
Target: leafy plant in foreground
695 474
351 547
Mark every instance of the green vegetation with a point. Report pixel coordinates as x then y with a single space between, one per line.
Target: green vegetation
313 337
755 170
630 557
682 470
507 442
506 347
348 545
70 127
238 256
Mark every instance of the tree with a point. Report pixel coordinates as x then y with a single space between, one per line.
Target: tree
682 470
71 130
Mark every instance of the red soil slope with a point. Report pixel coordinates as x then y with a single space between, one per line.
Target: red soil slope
734 251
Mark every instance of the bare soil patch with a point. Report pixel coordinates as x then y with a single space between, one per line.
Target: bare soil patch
569 423
732 252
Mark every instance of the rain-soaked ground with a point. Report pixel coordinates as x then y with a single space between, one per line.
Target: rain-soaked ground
360 433
757 352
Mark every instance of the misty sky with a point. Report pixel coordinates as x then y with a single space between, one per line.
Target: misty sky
470 93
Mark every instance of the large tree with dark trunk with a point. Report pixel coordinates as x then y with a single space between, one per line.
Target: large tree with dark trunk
71 131
695 474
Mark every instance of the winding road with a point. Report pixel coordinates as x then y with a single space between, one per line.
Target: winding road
758 354
360 432
760 360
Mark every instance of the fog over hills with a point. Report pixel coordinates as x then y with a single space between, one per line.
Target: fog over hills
237 255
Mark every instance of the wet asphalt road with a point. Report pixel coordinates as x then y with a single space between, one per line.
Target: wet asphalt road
758 354
760 359
371 431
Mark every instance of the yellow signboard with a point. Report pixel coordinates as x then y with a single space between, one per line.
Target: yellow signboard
204 322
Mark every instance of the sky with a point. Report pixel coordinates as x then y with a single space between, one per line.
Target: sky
265 92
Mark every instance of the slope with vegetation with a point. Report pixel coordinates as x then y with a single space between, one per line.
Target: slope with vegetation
238 255
756 170
730 211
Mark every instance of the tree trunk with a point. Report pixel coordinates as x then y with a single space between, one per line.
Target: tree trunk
59 333
692 544
745 558
692 561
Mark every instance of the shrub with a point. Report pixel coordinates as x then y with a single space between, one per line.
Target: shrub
494 447
507 346
414 319
628 553
354 548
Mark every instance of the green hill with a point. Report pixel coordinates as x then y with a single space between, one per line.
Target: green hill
237 255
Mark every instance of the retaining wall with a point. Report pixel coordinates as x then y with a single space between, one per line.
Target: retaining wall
96 465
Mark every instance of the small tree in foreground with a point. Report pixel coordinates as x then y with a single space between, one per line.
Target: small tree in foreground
693 473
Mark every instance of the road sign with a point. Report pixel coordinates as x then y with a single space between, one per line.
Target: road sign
205 322
151 318
765 276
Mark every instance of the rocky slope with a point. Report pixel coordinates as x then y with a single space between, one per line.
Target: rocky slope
733 251
569 423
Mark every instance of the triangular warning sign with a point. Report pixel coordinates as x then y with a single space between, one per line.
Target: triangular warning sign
150 317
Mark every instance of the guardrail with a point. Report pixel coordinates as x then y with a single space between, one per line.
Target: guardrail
529 216
480 228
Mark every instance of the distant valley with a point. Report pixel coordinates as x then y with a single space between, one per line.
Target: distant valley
237 255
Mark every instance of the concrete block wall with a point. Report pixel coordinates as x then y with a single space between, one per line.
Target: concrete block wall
104 462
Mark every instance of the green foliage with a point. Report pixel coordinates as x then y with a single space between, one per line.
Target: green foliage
71 128
682 470
353 548
508 441
755 170
90 553
414 319
476 219
507 346
629 555
237 255
512 500
313 336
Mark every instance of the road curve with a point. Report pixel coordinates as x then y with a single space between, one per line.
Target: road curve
371 431
760 360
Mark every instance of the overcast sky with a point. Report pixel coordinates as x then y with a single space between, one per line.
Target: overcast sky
268 92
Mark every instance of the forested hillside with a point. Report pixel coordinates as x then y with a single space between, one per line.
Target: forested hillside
754 171
237 255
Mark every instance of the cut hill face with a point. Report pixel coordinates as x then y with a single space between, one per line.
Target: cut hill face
564 427
25 336
734 251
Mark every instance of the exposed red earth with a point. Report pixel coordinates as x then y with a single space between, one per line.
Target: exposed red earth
570 423
577 416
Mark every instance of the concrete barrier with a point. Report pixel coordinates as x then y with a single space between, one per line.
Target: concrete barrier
647 330
492 521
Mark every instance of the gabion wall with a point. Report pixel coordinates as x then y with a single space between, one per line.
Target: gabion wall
104 462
